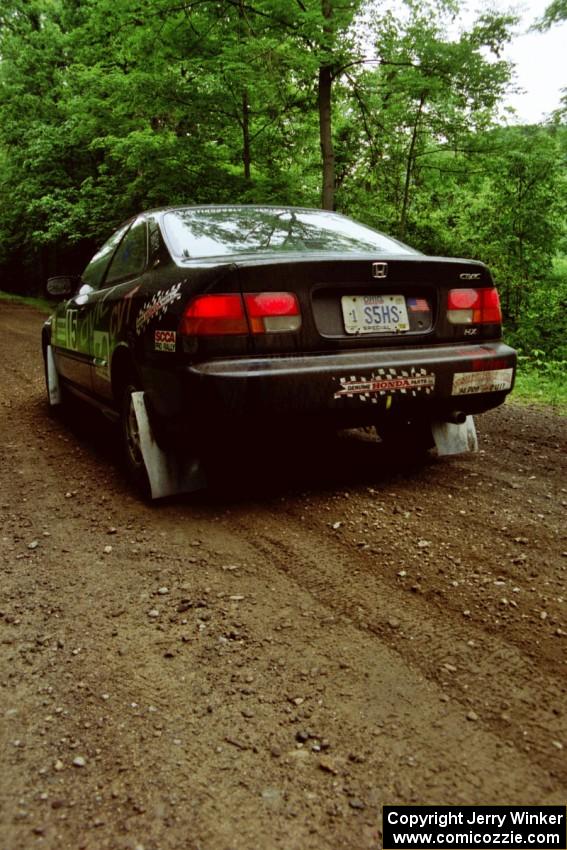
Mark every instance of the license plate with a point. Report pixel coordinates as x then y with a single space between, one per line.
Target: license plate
370 314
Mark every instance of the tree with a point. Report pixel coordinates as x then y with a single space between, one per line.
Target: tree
429 93
554 14
111 106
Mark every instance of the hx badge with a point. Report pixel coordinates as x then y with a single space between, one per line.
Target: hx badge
379 270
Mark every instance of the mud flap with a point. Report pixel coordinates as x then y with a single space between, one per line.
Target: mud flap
53 386
168 472
455 439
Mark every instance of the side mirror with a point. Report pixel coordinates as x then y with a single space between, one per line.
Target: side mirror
62 286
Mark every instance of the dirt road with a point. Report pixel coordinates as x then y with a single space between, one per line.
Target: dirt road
264 666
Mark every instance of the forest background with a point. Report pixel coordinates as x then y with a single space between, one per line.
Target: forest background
389 113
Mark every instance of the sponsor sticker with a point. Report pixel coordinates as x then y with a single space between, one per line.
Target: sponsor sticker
156 306
386 381
164 340
489 381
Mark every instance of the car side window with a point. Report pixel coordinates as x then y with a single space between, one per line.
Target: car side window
131 255
94 272
158 253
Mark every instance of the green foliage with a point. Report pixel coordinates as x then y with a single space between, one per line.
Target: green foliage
546 384
112 106
539 336
554 13
429 93
539 332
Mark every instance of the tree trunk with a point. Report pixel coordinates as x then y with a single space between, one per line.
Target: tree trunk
325 131
246 156
325 116
409 171
244 34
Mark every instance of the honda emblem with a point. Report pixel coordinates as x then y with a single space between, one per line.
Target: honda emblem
379 270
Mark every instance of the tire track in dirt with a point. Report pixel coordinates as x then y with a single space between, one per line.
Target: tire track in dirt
270 702
459 657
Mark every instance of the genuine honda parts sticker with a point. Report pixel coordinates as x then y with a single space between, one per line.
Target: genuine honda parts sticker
386 381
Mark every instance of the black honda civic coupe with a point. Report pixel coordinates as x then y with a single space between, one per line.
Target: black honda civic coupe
223 315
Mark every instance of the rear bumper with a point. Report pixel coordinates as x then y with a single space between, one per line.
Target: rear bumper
353 386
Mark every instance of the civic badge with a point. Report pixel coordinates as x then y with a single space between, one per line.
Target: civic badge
379 270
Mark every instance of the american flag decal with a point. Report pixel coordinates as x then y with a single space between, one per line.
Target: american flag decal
418 305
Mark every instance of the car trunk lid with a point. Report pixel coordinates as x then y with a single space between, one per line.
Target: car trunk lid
347 304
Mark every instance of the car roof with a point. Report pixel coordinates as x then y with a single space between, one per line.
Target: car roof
157 211
290 207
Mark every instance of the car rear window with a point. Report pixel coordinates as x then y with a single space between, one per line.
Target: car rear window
221 231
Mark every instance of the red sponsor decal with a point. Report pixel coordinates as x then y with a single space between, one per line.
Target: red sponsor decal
164 340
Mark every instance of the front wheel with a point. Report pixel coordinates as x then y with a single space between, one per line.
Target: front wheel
56 393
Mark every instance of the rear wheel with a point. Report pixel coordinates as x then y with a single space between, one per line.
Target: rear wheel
130 437
412 437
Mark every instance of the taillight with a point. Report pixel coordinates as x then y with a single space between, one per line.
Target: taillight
214 315
272 312
258 313
473 307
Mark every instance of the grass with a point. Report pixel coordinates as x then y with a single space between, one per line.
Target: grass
542 362
41 304
545 384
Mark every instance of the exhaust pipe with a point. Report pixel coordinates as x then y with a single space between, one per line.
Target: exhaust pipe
456 417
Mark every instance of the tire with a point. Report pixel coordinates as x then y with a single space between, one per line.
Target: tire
413 437
130 440
54 410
